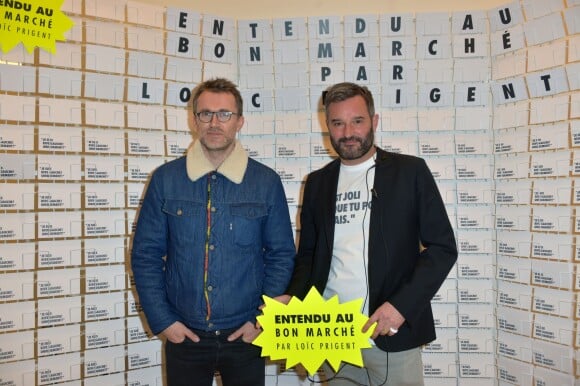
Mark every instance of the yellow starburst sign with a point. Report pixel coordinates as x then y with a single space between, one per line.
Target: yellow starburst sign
312 331
35 23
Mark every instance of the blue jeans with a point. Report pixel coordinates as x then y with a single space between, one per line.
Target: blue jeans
194 364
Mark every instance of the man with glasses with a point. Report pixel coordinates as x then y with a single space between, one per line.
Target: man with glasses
213 235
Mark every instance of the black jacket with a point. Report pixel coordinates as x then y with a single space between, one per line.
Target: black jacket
412 246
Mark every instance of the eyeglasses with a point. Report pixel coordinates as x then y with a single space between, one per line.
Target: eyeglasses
222 116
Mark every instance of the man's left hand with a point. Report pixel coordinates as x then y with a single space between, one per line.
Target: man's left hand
388 321
248 332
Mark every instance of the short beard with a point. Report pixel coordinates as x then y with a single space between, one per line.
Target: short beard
366 144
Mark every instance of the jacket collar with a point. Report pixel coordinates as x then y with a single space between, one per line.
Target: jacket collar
233 167
381 156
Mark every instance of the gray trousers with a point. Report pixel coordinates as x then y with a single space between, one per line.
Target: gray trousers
403 368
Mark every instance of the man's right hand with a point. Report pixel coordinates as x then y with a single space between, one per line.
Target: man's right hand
177 332
283 298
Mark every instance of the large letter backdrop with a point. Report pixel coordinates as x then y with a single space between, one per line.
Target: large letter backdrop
489 98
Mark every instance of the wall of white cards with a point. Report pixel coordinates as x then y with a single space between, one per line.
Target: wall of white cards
489 98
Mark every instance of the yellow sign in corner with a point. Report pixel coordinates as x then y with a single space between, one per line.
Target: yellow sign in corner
312 331
35 23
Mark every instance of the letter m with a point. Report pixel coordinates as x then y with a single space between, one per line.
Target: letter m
324 50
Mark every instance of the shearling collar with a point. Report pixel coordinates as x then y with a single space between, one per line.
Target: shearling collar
233 167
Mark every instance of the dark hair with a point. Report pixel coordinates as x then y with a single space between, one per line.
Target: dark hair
217 85
346 90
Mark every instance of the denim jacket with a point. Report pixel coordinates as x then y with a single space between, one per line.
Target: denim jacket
250 245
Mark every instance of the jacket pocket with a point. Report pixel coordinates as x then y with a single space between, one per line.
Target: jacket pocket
247 223
184 219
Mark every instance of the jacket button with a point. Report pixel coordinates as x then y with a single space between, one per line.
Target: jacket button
179 212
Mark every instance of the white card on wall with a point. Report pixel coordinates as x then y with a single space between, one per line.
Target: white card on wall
104 333
104 86
58 311
144 354
19 137
69 54
512 166
257 30
105 278
514 243
475 291
150 117
176 144
513 192
55 138
104 223
107 114
110 168
572 19
183 69
139 169
474 217
513 217
104 59
399 24
145 143
472 341
514 295
59 368
58 282
105 33
552 247
552 192
59 195
258 100
17 78
145 39
59 253
18 197
514 269
17 316
546 56
146 375
544 29
436 119
104 306
103 361
514 371
59 167
552 219
554 302
104 141
553 274
515 346
515 321
259 147
109 250
17 108
475 241
59 224
17 257
104 196
17 226
554 356
17 346
58 340
17 286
